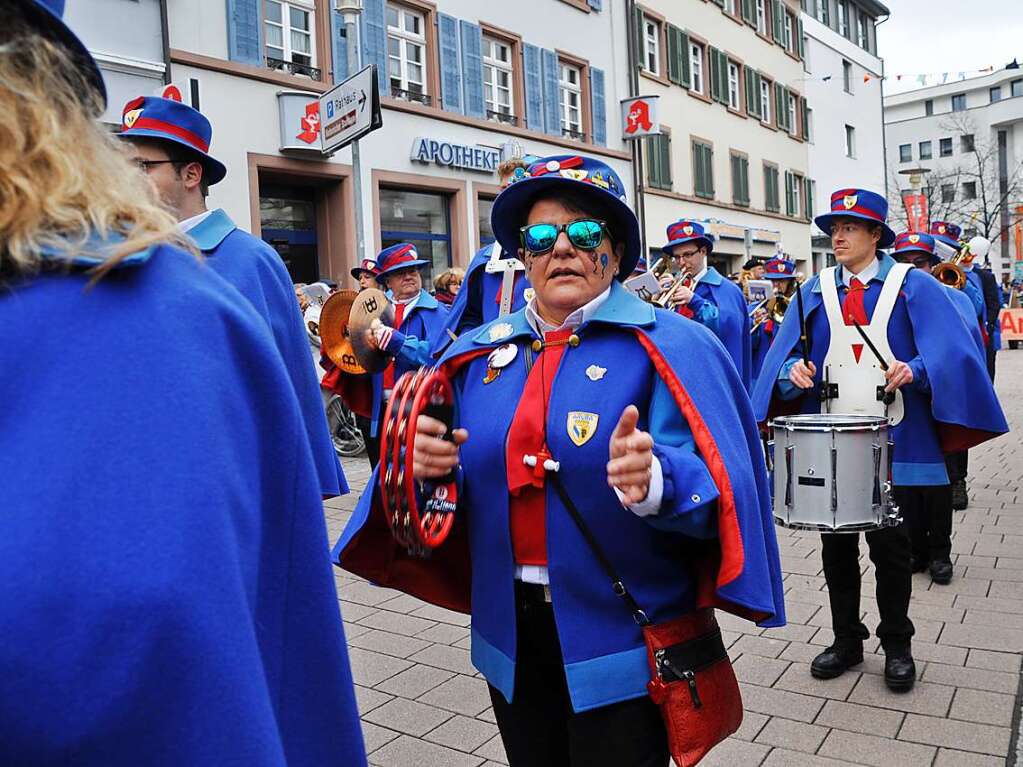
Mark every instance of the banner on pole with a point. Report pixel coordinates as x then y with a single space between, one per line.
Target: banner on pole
917 214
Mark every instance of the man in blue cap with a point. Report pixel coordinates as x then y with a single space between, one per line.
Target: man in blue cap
708 297
917 330
170 142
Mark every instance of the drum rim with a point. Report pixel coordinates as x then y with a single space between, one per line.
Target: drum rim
838 422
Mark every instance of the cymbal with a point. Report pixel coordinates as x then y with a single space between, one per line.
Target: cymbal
334 331
369 305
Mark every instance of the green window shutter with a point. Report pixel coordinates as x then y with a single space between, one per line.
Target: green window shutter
715 75
744 169
674 39
808 197
708 156
638 34
652 171
703 170
776 18
684 53
733 163
664 145
697 168
658 161
723 72
799 40
720 2
757 83
805 119
748 13
771 189
790 203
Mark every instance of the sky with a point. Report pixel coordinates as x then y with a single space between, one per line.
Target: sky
934 36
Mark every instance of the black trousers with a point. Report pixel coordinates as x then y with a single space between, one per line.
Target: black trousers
991 354
539 728
889 551
957 465
372 443
928 514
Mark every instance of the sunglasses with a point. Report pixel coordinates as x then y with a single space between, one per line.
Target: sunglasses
583 233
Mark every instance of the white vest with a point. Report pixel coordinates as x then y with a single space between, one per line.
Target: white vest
849 362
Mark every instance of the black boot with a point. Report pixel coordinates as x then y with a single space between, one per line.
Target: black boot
836 660
917 564
959 498
899 670
941 572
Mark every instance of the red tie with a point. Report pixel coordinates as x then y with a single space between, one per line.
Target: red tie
399 315
527 437
852 307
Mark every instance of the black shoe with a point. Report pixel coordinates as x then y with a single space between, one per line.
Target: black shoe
959 498
899 671
941 572
835 661
917 565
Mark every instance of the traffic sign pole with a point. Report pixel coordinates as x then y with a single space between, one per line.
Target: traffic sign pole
351 17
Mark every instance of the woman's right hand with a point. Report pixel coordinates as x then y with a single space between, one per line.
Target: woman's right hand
802 374
434 456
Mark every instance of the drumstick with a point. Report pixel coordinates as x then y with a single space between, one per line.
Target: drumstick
863 335
802 327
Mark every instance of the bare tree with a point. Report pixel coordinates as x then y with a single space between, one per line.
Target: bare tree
941 204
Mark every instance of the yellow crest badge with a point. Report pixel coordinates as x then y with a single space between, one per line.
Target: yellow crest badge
941 229
849 201
581 426
131 117
914 238
688 230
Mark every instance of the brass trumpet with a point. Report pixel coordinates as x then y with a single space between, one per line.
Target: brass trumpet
950 272
776 308
664 298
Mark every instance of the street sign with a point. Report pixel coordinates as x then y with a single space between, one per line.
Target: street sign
350 110
640 117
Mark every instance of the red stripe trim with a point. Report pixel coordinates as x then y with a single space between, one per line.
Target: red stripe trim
148 123
839 210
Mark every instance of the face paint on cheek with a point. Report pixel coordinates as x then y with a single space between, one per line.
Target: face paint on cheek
603 264
593 258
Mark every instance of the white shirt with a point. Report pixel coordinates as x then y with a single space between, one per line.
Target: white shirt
700 275
190 223
868 273
649 505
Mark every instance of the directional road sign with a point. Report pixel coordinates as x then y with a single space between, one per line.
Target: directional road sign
350 110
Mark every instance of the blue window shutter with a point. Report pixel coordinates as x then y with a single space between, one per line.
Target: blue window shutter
472 69
551 93
374 41
339 46
597 5
245 31
599 108
450 67
534 86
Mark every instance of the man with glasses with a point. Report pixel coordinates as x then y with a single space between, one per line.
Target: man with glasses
170 142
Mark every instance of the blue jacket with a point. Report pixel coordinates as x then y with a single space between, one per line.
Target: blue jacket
167 593
968 311
733 323
951 404
760 344
255 269
713 541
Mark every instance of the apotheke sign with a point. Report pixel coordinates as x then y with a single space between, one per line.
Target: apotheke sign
482 159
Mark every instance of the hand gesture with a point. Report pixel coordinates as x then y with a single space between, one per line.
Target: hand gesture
379 335
632 457
434 456
802 374
682 295
898 374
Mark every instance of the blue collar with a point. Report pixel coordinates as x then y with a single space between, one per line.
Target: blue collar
620 308
712 277
425 301
887 262
211 231
95 252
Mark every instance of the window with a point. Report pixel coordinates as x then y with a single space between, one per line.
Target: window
406 53
861 30
925 150
824 12
703 169
996 93
929 107
571 100
729 6
793 109
787 39
696 68
850 141
765 101
970 190
733 85
483 224
945 147
771 197
959 102
948 192
1016 88
811 193
847 79
843 18
793 194
761 17
740 179
658 161
288 29
498 79
808 123
422 218
966 142
905 152
651 45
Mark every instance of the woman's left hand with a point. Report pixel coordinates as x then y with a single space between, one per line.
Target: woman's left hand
632 456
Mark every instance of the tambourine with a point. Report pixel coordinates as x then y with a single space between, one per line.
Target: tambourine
419 529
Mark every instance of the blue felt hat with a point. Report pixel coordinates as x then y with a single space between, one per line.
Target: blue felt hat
586 174
400 256
780 269
367 265
947 233
47 17
170 120
861 204
641 265
683 231
908 243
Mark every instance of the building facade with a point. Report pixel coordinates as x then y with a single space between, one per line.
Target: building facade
966 138
733 109
458 91
844 78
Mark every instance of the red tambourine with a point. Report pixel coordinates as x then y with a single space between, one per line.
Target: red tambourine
425 392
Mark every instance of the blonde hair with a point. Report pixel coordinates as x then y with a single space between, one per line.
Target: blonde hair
62 179
444 279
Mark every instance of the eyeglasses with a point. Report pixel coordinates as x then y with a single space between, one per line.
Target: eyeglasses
145 165
584 233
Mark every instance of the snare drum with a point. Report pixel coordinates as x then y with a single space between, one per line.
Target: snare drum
832 473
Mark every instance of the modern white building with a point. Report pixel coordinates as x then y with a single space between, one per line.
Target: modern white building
844 89
733 107
467 77
969 135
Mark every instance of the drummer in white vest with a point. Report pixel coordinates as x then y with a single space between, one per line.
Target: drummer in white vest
882 340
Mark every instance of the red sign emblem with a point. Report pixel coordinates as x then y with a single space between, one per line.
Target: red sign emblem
639 118
310 123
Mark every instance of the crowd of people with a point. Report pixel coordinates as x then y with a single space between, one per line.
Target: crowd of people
170 594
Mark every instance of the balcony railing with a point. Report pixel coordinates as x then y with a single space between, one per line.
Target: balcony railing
573 134
502 117
280 65
411 95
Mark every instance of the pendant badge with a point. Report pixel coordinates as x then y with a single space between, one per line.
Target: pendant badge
502 356
581 427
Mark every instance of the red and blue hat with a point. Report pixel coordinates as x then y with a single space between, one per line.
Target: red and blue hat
588 175
779 269
400 256
862 204
169 120
908 243
367 265
947 233
641 265
47 18
683 231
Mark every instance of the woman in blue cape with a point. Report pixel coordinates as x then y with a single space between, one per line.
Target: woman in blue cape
167 590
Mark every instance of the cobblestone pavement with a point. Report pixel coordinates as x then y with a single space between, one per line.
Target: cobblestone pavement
423 704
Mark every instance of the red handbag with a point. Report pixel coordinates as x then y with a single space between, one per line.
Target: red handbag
691 676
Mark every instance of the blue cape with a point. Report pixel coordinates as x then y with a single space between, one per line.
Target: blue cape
733 320
168 597
255 269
